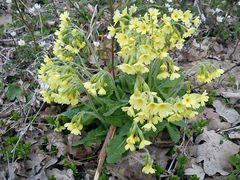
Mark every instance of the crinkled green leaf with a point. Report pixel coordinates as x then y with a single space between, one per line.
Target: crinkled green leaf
93 137
13 91
115 149
174 133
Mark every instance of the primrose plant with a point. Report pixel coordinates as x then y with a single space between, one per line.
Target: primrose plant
147 94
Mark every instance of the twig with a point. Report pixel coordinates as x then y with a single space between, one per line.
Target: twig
226 71
229 129
235 48
26 24
102 154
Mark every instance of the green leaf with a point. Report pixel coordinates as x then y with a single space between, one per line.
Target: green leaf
174 178
124 130
115 149
159 169
13 91
181 164
235 161
181 124
232 177
173 133
113 107
87 117
93 137
118 118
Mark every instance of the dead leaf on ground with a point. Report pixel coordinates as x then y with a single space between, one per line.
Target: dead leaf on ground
229 114
234 135
214 120
57 140
130 167
214 153
195 170
60 175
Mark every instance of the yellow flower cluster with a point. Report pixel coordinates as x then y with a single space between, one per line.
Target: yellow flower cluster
59 74
143 39
148 169
208 73
97 85
172 73
75 126
147 110
63 82
69 40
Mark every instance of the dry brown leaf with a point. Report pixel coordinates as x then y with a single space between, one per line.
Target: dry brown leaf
214 120
214 153
57 140
60 175
234 135
195 170
229 114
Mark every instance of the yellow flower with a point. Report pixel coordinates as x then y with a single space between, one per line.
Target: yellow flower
189 113
196 21
137 102
129 110
179 44
174 76
166 19
147 169
217 73
102 91
152 108
164 109
117 16
140 68
175 117
64 16
144 143
179 107
190 100
149 126
90 88
145 58
176 14
47 96
132 9
153 12
203 98
167 29
122 39
189 32
187 16
163 75
134 22
126 68
141 117
129 146
143 27
131 140
112 31
156 119
59 128
75 128
124 12
175 68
